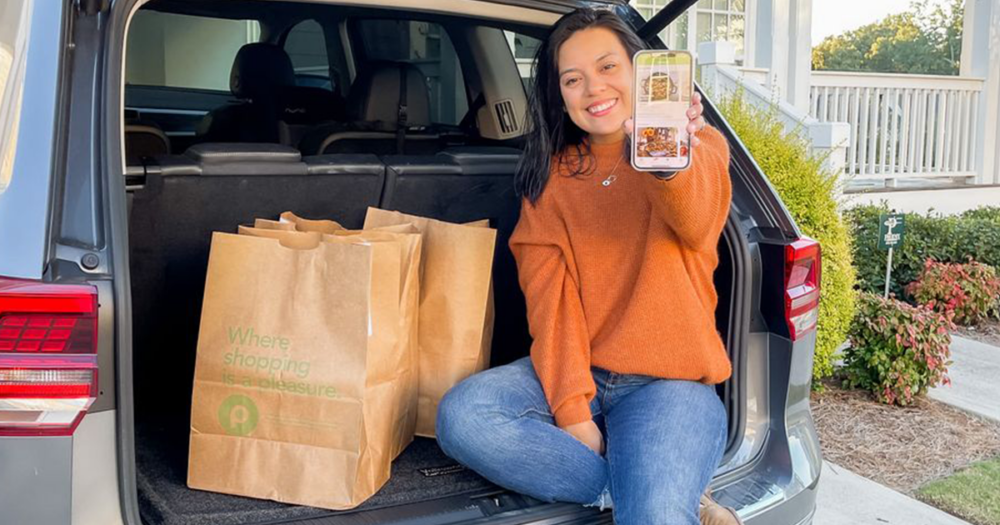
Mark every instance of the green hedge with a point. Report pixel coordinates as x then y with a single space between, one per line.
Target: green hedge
953 238
810 193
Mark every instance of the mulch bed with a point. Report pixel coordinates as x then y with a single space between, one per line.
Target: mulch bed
987 332
900 447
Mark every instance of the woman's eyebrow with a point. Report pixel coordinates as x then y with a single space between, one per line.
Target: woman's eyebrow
602 57
563 72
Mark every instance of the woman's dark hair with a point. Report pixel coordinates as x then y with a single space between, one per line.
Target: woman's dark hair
550 129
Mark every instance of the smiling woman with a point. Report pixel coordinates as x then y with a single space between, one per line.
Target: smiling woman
615 406
551 127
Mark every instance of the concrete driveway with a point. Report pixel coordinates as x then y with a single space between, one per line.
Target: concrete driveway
846 498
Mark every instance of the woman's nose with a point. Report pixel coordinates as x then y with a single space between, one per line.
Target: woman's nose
596 86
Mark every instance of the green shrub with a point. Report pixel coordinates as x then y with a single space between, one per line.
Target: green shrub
953 238
810 193
986 213
897 351
970 291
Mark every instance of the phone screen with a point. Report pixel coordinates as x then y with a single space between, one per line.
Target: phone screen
661 96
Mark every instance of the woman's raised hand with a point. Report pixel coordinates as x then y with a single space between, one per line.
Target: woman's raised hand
588 434
696 122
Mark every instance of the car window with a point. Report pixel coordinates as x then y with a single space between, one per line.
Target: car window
306 46
13 52
427 46
184 51
524 48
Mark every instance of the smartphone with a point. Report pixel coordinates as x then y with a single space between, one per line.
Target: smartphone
661 95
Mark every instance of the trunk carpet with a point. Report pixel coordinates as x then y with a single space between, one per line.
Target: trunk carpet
165 499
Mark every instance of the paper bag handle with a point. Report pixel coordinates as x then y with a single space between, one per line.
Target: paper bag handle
288 239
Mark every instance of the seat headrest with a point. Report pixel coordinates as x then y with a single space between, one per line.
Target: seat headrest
374 96
259 70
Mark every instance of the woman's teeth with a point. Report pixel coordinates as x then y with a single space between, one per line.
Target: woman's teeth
601 107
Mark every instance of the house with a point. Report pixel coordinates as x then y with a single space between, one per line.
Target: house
917 141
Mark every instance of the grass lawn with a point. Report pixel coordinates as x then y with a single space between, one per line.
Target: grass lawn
973 493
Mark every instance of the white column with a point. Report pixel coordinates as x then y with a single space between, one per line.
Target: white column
800 54
772 44
750 35
981 58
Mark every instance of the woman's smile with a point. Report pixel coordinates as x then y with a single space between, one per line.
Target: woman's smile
602 108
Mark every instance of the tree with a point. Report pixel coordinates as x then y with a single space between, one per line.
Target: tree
924 40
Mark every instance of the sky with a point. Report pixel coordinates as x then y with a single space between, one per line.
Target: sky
832 17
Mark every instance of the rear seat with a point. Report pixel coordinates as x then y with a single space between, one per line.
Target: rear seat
386 100
462 185
144 139
216 187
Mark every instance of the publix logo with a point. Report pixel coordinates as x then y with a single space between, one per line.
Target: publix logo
238 415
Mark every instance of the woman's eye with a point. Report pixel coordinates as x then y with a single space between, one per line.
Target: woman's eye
608 67
570 82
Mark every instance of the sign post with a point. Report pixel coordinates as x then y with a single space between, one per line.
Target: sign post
890 234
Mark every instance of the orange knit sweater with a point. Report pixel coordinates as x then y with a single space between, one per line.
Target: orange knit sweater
620 276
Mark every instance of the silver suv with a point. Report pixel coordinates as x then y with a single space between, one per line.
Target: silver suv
132 129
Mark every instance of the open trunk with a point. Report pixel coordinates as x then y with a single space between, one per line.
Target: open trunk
178 201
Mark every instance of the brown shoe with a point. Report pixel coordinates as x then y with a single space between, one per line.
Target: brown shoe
714 514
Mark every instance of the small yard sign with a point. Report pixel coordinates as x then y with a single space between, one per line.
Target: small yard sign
890 230
890 234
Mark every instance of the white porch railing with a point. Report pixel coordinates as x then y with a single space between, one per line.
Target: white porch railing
902 125
721 77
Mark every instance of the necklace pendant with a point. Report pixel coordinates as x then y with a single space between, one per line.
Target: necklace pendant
609 180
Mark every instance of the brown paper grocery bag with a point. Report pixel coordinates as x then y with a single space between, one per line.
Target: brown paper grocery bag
407 242
267 224
456 306
410 242
311 225
298 370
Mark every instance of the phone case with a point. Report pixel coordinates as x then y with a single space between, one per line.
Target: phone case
661 95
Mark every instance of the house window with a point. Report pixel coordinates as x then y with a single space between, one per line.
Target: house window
721 20
711 20
675 36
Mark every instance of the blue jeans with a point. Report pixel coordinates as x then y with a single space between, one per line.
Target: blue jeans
664 439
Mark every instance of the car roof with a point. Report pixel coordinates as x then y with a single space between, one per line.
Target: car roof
264 9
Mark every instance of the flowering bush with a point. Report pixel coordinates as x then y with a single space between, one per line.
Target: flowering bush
897 351
971 290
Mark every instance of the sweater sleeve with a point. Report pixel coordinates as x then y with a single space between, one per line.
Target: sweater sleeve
695 202
560 351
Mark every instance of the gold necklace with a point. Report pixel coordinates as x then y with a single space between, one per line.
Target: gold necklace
611 178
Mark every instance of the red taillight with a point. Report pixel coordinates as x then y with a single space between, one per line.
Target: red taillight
802 286
48 356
